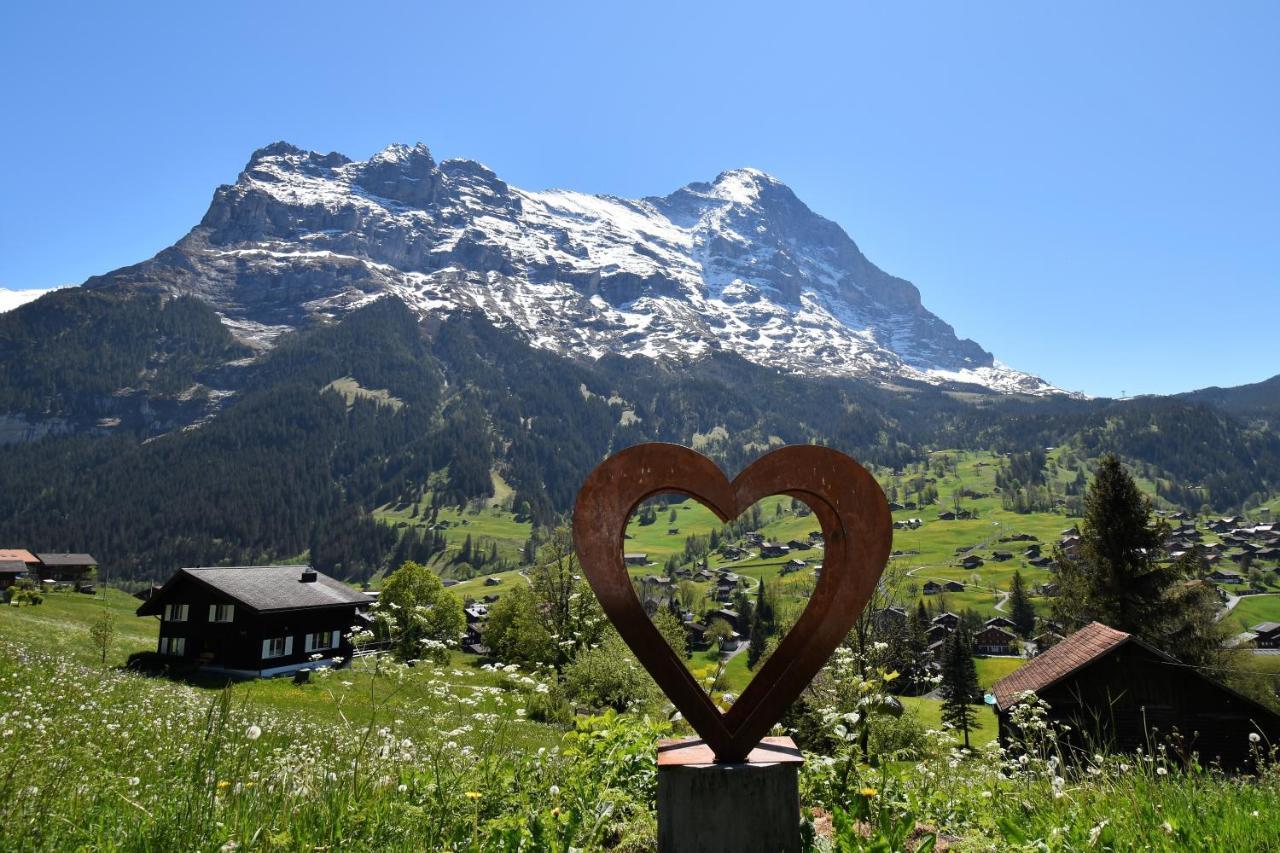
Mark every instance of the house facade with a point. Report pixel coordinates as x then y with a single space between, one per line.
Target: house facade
254 621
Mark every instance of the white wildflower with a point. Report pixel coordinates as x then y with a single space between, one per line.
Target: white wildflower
253 732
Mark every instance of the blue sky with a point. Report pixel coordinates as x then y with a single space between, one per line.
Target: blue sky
1089 190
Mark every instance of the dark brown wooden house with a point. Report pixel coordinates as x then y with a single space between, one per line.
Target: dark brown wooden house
254 621
67 568
1120 694
11 571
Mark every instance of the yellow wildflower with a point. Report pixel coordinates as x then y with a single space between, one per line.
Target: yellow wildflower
868 792
472 795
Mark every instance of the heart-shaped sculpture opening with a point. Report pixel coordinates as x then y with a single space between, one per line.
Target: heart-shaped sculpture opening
856 528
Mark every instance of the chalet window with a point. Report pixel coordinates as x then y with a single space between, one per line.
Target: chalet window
323 641
277 647
173 645
175 613
222 612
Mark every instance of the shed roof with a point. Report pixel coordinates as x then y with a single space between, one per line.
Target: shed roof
67 559
263 588
1084 646
19 554
12 567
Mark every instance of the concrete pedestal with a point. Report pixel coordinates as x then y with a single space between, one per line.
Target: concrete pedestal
708 807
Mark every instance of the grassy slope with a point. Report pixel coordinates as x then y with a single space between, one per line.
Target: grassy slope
61 625
1253 609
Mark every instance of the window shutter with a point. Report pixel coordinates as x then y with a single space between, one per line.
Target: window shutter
168 613
309 643
288 646
335 639
164 643
266 649
213 613
229 612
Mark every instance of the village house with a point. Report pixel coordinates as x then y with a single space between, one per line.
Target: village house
635 559
773 549
67 568
972 561
948 620
815 536
888 618
792 565
1225 576
30 562
798 545
1113 689
11 571
1000 622
1001 556
994 641
1266 635
931 588
696 636
730 616
253 621
953 586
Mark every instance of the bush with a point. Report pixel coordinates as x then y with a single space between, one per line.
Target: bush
608 676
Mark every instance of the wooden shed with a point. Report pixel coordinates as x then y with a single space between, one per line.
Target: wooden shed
1120 694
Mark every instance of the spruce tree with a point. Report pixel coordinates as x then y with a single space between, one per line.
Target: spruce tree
959 684
759 642
1115 578
1021 613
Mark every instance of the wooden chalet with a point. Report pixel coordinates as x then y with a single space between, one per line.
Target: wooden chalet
11 571
948 620
931 588
636 559
730 616
1117 693
993 640
953 586
21 555
67 568
1225 576
254 621
773 549
1266 635
1000 622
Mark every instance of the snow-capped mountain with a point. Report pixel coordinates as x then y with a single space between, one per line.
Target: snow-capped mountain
738 264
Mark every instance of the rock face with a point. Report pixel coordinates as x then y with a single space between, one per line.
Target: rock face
738 264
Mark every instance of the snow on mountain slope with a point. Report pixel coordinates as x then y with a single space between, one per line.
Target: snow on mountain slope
738 264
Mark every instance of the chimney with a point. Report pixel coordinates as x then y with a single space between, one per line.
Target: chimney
308 575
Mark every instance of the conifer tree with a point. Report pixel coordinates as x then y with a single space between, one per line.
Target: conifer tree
959 684
1021 613
1116 578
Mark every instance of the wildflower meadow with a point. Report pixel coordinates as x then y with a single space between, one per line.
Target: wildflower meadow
444 755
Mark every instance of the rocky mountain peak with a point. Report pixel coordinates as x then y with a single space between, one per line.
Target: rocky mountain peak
739 263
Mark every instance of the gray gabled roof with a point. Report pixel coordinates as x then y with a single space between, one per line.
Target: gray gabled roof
263 588
12 567
67 559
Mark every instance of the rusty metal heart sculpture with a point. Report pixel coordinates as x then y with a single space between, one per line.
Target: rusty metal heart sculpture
857 530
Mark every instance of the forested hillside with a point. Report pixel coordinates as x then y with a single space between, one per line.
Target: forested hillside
291 455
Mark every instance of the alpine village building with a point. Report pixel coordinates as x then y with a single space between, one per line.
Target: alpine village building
254 621
1118 693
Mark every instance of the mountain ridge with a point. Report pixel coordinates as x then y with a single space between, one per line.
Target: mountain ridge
739 263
